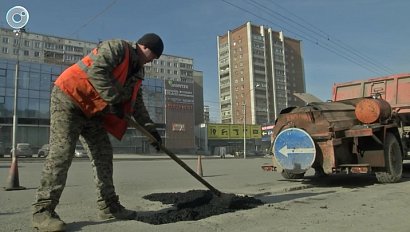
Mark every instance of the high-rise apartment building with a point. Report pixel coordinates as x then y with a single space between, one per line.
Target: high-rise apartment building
259 70
172 92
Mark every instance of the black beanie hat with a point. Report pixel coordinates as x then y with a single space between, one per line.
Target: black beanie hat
153 42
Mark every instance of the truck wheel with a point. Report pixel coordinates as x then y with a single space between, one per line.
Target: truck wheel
393 161
289 175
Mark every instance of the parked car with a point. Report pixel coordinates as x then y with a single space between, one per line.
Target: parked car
23 149
80 152
43 151
1 149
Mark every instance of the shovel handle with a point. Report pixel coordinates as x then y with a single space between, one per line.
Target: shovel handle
135 124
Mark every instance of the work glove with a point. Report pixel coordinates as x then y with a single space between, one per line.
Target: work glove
150 127
115 109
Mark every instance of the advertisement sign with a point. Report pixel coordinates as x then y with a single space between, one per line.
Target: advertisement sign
179 92
267 133
233 131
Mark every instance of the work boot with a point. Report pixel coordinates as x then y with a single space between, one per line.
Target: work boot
48 221
117 211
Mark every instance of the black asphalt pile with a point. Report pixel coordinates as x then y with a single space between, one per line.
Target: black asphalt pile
194 205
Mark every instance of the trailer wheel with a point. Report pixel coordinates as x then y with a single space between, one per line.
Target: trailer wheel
393 160
289 175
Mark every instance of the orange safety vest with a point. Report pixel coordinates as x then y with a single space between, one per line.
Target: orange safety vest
75 83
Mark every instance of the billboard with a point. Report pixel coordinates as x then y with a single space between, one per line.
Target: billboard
179 92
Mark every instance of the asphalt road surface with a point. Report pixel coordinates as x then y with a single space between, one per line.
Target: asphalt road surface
337 203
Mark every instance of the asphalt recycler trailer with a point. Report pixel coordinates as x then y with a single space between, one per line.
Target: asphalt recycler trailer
364 129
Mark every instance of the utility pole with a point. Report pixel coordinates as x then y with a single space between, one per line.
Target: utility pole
244 129
244 119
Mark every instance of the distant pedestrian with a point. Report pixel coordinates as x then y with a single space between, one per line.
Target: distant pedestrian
89 99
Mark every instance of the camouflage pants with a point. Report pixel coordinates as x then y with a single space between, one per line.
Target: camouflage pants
67 125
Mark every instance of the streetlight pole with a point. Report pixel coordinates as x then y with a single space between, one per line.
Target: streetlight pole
244 121
13 143
244 129
17 17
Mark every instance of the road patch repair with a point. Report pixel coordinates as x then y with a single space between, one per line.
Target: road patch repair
194 205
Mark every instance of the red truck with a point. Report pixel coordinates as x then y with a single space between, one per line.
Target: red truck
364 129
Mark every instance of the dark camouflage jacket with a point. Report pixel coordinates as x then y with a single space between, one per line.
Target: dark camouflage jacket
110 54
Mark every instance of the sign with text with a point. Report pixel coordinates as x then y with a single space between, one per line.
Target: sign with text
179 92
233 131
267 132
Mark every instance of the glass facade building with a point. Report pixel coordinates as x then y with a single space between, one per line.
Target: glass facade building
35 82
33 101
172 92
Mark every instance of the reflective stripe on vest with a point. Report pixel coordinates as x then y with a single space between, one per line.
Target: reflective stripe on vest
74 82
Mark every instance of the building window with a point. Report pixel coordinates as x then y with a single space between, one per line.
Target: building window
5 40
37 44
69 58
26 53
5 50
49 45
78 49
37 54
27 43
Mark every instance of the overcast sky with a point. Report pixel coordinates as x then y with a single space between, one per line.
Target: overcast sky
341 40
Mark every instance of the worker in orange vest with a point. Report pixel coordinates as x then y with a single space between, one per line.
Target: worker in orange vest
89 100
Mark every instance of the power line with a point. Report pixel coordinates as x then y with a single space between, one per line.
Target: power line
95 17
338 50
342 52
335 40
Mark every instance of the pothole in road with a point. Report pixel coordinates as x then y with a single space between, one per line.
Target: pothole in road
194 205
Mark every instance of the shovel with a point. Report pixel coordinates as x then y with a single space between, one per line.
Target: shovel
135 124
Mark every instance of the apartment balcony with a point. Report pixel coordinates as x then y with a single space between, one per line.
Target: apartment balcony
225 117
225 101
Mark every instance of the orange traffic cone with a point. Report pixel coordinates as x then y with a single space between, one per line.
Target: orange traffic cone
199 166
13 179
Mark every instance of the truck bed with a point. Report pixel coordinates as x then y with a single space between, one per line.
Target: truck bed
395 89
